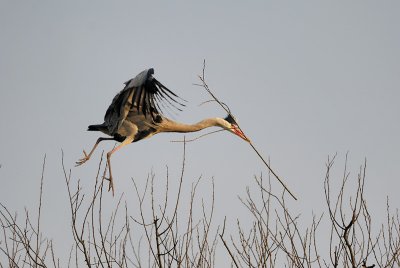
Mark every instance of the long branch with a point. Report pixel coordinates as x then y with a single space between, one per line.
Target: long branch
205 86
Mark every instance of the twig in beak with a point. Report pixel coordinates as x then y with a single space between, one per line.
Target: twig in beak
205 86
201 136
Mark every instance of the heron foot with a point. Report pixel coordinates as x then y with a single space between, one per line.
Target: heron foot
110 184
83 159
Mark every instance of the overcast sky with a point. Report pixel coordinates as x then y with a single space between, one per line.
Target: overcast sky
306 79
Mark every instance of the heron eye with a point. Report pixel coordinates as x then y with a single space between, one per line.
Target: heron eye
231 119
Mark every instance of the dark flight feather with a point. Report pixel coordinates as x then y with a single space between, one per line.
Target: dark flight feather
141 95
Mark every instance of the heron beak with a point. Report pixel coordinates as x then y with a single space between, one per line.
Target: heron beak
235 129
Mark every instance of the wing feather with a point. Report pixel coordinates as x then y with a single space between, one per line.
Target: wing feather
142 95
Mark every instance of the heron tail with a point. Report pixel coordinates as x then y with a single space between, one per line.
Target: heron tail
100 127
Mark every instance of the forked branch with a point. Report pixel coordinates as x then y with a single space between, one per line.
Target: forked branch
224 106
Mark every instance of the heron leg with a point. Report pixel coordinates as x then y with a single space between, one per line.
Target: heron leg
127 141
87 156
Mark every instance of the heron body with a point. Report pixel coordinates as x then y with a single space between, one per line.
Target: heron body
137 130
136 113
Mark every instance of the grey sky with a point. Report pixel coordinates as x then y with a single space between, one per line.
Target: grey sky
306 79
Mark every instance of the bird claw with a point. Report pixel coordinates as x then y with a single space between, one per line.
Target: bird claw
83 159
110 184
86 158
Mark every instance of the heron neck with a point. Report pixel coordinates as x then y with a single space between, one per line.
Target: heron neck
172 126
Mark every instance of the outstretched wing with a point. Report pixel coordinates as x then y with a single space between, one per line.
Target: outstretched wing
141 95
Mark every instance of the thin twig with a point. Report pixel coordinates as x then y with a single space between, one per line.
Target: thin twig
201 136
40 209
224 106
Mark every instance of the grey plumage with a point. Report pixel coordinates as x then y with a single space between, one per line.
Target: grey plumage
139 101
136 113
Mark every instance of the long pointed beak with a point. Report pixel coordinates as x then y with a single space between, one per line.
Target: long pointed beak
239 133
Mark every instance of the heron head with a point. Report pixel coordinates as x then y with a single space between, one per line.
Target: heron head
234 127
150 73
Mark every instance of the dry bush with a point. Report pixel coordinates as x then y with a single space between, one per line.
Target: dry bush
352 242
166 241
173 237
275 238
23 243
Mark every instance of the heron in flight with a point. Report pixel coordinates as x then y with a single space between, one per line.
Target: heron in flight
136 113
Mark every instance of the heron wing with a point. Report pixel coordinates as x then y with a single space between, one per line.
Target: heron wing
142 95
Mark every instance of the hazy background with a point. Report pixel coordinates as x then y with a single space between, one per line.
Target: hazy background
306 79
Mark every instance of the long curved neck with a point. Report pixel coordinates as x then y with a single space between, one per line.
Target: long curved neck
171 126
